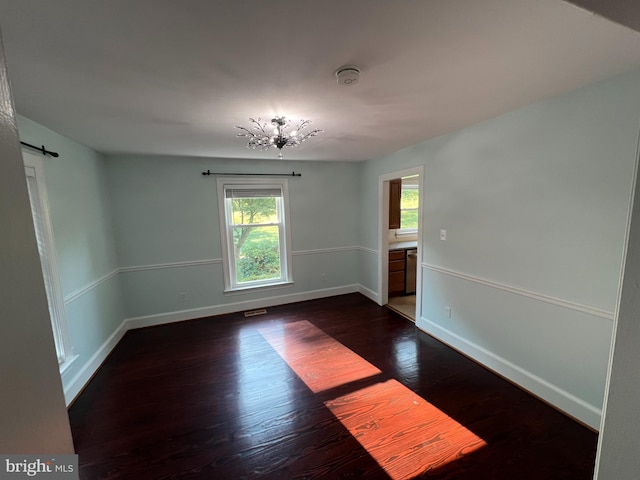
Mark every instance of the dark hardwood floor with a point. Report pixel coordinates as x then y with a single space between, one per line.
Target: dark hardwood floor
337 388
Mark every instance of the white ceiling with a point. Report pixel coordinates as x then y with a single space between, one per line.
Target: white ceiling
175 77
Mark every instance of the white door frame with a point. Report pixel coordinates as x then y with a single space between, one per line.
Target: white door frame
383 234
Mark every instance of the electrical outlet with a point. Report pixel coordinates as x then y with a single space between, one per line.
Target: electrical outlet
182 296
323 277
447 311
443 235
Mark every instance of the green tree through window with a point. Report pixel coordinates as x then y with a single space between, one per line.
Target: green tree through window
255 239
247 211
409 202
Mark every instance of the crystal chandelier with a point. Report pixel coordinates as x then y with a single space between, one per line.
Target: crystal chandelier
263 137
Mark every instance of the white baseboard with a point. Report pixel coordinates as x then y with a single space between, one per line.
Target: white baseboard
370 294
561 399
79 381
568 403
181 315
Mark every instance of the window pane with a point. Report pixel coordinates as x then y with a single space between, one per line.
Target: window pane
256 253
254 210
409 208
409 219
409 198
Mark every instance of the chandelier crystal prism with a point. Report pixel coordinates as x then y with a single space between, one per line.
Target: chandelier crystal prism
263 137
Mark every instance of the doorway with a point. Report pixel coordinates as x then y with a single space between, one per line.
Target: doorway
400 241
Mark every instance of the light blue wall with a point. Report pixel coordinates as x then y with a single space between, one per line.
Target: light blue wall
535 203
168 238
82 227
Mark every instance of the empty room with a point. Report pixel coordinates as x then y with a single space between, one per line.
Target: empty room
357 239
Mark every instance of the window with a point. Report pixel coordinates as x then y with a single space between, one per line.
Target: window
254 227
44 237
409 202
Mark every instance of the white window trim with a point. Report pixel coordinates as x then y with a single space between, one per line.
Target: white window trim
34 168
226 235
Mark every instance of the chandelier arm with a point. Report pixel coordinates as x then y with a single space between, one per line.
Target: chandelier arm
303 124
312 133
260 126
247 132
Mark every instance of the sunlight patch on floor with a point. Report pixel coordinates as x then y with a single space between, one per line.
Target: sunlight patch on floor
320 361
403 433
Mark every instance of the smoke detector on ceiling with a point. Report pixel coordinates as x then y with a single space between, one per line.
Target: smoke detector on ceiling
348 75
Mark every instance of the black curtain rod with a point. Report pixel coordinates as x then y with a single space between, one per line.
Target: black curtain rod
292 174
41 149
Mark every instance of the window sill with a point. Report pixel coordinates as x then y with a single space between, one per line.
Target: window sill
406 231
254 288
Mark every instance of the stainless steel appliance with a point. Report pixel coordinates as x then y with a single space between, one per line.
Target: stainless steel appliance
411 271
